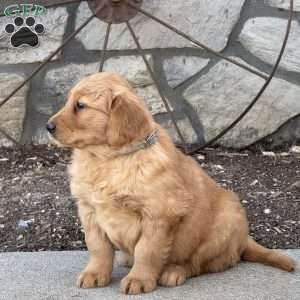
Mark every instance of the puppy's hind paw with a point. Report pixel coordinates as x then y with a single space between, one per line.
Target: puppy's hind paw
87 280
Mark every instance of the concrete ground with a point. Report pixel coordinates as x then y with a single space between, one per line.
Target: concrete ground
51 276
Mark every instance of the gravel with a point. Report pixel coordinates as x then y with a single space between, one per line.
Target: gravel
37 212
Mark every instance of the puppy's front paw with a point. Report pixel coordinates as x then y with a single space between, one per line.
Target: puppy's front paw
172 275
87 280
133 286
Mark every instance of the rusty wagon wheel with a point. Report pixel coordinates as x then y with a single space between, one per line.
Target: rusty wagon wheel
122 11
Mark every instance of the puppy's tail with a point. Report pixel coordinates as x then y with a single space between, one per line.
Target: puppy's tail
257 253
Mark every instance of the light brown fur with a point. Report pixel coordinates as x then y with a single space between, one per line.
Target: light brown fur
156 205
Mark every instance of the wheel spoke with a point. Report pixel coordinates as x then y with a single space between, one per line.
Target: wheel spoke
103 53
198 44
9 137
151 73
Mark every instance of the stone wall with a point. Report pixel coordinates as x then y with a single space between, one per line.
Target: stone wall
205 92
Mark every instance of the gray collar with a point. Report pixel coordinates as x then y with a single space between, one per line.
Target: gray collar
150 140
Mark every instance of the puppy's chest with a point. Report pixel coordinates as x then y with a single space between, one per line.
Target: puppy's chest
116 210
116 213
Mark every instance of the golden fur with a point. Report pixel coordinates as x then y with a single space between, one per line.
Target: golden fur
171 220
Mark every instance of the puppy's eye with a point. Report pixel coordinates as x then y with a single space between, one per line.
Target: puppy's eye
79 106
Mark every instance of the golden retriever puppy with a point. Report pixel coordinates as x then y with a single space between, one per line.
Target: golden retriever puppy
137 192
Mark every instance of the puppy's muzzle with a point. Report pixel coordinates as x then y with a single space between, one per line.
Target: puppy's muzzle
51 127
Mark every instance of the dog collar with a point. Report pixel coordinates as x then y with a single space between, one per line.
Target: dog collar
149 141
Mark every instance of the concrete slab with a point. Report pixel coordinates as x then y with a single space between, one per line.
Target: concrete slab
51 276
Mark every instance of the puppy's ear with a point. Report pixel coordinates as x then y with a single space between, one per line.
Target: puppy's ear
128 121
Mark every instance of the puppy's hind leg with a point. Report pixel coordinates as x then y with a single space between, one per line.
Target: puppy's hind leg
150 254
98 271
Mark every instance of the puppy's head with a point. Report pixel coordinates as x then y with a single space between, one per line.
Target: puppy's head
102 109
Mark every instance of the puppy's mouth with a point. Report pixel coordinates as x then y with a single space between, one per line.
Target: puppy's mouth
54 141
58 143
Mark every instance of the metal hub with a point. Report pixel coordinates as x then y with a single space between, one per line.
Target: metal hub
115 11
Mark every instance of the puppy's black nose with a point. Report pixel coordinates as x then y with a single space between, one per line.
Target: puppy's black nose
51 127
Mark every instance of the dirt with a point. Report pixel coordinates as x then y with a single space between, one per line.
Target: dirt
37 212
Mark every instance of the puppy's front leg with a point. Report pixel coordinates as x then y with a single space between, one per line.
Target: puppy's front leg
150 254
98 271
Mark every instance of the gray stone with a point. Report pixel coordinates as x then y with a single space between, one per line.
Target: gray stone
12 113
224 92
263 37
284 4
55 24
134 70
210 22
189 134
180 68
57 85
